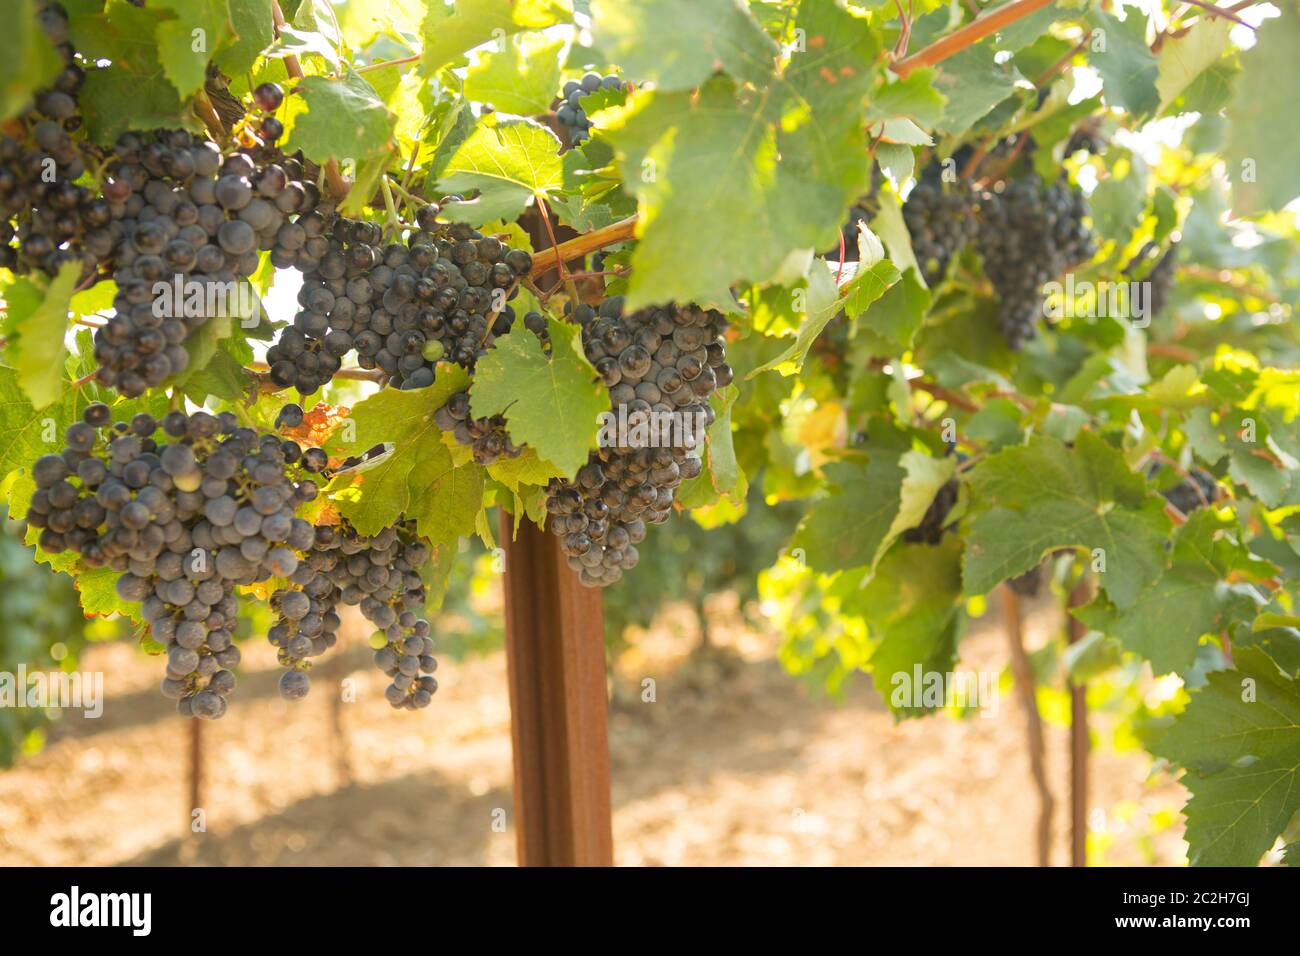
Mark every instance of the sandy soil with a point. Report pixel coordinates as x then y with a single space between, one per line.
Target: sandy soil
734 763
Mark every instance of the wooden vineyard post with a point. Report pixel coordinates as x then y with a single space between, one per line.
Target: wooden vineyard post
555 655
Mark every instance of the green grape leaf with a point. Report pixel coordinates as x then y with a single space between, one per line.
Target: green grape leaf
925 476
1128 68
911 603
1262 148
916 97
450 29
552 404
252 33
1183 58
96 587
1029 500
848 528
1189 599
30 60
678 44
508 164
518 473
196 29
344 119
892 323
823 305
896 161
973 82
724 470
418 466
34 324
118 99
1239 741
522 79
791 159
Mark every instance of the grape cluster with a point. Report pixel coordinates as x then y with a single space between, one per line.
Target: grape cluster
941 222
194 219
402 308
54 220
570 113
185 517
659 360
378 573
1029 235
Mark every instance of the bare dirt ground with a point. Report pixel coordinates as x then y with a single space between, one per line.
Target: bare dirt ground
733 764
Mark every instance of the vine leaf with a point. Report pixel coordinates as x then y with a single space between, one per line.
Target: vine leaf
974 82
1239 741
823 305
418 468
1029 500
96 587
35 325
1128 68
1182 59
915 96
893 322
253 33
450 29
925 476
911 602
850 527
1260 149
31 62
344 119
522 78
1189 599
508 164
192 21
790 156
552 404
678 44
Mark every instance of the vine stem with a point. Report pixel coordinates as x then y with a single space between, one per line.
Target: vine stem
1026 686
1060 65
1075 630
968 35
1220 12
407 196
550 232
580 246
338 186
205 111
394 220
371 67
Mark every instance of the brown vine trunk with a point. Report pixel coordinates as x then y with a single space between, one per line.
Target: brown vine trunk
196 770
1078 739
1026 688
